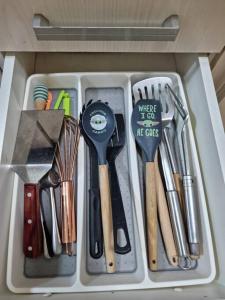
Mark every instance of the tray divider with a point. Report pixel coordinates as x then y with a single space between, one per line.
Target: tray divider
80 190
134 177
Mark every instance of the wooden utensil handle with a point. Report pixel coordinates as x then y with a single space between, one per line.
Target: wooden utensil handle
151 212
107 223
164 219
32 233
179 189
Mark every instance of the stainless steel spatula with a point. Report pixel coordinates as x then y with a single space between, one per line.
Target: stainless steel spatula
33 156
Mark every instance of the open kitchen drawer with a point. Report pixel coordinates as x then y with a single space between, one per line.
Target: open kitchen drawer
208 132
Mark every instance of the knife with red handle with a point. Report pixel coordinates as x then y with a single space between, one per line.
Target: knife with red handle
32 234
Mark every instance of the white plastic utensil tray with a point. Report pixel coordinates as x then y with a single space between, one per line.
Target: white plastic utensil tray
82 281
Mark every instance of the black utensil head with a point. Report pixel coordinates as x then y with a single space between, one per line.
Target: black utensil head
98 122
117 141
120 130
118 137
146 125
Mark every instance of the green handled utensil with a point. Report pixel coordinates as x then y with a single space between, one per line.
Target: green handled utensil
147 129
64 98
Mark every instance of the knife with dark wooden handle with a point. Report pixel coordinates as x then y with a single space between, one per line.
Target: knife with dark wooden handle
32 234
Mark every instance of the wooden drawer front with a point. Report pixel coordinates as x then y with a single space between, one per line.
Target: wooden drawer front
202 24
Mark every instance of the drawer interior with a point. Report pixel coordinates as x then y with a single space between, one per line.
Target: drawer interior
197 81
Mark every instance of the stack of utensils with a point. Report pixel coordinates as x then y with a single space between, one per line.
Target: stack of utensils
104 133
160 127
45 158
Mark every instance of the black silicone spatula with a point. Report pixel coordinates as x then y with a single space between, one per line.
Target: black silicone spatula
147 129
98 122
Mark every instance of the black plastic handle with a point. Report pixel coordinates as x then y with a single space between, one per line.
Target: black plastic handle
119 218
95 224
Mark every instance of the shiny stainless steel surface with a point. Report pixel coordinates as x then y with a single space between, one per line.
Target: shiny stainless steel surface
34 151
174 207
191 207
192 216
45 247
56 240
182 133
167 171
168 110
170 147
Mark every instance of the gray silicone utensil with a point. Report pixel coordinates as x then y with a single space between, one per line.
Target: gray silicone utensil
147 129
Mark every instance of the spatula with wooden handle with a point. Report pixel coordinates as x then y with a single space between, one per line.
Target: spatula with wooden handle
33 156
32 237
155 87
98 122
147 130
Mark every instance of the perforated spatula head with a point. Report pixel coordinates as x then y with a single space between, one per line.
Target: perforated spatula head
147 127
156 88
98 122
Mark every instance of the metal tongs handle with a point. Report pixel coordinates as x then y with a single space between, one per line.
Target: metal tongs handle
191 207
191 216
175 210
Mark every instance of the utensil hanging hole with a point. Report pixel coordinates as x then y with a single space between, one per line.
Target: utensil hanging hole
154 261
121 238
111 264
185 263
96 248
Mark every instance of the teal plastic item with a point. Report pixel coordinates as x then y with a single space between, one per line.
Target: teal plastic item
40 92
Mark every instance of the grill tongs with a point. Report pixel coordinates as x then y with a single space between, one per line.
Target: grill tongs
177 222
